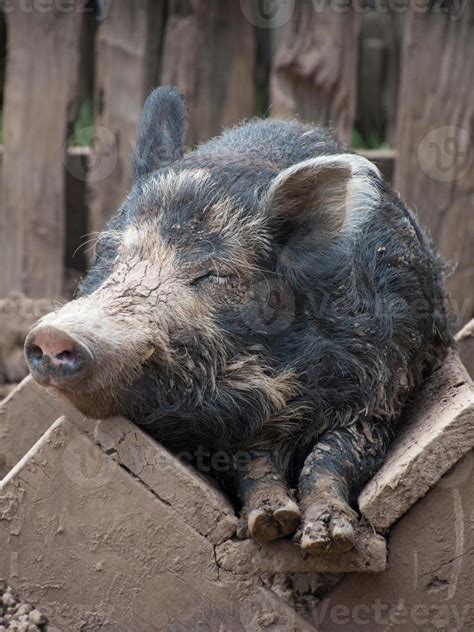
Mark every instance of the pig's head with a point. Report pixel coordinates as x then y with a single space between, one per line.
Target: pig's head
165 325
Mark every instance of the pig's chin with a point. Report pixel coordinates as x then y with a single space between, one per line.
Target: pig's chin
96 405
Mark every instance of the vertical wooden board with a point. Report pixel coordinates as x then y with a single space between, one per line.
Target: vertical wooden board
76 212
128 44
378 76
39 107
393 40
314 72
435 172
209 54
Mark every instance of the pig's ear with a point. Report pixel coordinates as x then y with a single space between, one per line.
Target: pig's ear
161 133
318 196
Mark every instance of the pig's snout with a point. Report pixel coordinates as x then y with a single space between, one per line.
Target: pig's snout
56 358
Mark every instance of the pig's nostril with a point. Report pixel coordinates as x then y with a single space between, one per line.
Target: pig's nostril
66 356
55 358
35 353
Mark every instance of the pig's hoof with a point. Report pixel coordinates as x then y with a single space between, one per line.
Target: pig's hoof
269 522
330 531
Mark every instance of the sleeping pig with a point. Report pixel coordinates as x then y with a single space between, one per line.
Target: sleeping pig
265 297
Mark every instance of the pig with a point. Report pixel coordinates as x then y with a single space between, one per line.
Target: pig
265 296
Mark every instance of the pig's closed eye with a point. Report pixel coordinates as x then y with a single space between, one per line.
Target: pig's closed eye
211 278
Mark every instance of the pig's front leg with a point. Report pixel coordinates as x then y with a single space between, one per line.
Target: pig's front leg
332 476
269 512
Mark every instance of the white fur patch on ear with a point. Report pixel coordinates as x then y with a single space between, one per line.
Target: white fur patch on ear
331 190
362 192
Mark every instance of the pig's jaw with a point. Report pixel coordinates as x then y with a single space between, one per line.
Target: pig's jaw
94 405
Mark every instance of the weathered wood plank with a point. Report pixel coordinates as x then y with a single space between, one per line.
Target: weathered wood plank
378 75
314 72
439 430
76 162
284 557
435 173
174 482
209 54
128 44
94 548
39 107
25 415
428 582
193 499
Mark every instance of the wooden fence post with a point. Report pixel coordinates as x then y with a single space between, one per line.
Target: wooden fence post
434 171
209 54
128 46
378 76
314 72
40 106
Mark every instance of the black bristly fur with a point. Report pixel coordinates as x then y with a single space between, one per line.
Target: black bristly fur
369 318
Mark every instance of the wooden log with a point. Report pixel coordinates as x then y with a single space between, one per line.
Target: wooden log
314 73
435 172
209 54
127 56
39 107
438 431
94 547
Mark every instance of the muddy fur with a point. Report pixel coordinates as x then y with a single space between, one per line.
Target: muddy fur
351 287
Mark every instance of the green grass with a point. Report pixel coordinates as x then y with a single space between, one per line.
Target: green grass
83 130
372 142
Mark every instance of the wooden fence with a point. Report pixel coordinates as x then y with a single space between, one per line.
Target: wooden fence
401 80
